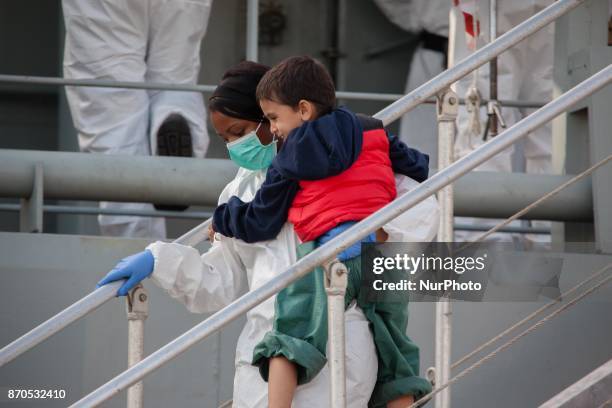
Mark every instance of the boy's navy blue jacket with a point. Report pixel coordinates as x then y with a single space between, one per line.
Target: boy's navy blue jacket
316 150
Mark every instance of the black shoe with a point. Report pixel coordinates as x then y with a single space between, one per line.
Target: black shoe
174 139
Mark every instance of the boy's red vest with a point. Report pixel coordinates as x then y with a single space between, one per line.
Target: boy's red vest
352 195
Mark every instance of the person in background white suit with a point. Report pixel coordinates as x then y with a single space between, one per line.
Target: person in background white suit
524 74
428 20
207 282
136 41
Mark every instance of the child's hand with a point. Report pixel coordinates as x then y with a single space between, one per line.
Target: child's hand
381 235
211 233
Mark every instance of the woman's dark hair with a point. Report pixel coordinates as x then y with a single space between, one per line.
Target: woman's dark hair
235 95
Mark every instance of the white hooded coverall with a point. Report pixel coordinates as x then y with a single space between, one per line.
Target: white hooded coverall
135 41
208 282
418 128
524 74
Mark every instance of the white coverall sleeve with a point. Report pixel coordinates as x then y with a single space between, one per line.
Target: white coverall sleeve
419 223
203 283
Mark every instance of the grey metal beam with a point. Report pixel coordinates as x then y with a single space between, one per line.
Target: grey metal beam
500 195
96 177
81 176
507 229
201 215
594 390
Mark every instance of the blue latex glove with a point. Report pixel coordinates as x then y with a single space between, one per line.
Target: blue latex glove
350 252
134 268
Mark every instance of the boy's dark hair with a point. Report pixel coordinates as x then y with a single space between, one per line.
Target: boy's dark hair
297 78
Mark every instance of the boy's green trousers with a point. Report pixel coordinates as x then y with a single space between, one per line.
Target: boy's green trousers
300 334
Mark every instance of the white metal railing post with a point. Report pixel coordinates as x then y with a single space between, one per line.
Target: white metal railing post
336 280
31 208
493 107
137 308
252 30
447 109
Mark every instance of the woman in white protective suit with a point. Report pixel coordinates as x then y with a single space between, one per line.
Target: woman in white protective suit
208 282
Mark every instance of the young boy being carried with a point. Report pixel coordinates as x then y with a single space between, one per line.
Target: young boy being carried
334 169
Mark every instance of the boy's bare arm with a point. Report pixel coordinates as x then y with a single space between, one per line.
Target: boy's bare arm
381 235
282 382
401 402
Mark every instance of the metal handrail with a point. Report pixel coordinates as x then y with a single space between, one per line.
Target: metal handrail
160 86
124 178
104 83
83 307
88 210
591 390
368 225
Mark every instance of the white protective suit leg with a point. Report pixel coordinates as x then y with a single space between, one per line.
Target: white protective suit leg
537 86
418 127
107 39
251 391
524 73
361 367
176 29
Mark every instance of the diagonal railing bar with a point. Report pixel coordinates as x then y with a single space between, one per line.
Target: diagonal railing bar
82 307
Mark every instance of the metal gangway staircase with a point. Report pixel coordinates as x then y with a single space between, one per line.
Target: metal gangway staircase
586 392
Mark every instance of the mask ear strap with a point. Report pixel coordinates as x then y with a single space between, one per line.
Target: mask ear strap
257 128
